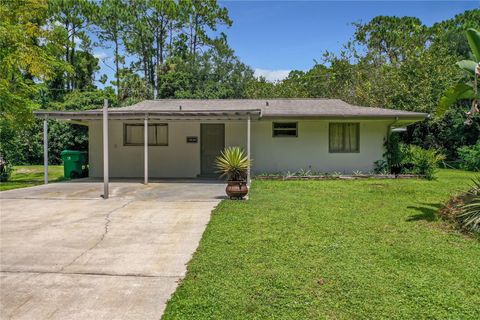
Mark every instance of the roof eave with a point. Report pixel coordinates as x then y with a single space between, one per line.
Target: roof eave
151 114
217 114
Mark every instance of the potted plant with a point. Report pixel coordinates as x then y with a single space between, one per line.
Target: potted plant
233 164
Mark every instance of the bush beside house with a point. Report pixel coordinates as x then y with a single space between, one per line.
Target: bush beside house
408 159
470 157
420 161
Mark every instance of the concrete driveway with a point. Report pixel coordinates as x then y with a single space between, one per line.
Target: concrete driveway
68 254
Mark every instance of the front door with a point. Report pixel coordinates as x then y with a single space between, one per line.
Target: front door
212 142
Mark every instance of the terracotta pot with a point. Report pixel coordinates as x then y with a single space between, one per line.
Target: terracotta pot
236 189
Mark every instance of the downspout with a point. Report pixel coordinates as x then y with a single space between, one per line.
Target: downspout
389 131
389 128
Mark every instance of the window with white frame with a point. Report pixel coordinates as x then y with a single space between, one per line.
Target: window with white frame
344 137
285 129
157 134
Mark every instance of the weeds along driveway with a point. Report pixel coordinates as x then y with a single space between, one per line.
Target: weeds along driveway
66 254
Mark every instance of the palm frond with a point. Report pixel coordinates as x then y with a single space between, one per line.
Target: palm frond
468 65
456 93
473 37
469 216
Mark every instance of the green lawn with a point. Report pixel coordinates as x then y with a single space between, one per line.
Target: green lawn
28 176
334 249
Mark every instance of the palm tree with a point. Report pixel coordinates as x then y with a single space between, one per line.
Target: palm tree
469 89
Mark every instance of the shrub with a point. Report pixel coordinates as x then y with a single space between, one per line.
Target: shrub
421 161
469 216
5 170
25 145
470 157
380 167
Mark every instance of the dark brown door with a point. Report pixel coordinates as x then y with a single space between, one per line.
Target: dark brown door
212 142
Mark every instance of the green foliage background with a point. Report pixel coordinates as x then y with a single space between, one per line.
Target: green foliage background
397 63
47 62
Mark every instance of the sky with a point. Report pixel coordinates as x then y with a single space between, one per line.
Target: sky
274 37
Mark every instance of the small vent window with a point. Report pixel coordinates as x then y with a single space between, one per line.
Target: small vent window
285 129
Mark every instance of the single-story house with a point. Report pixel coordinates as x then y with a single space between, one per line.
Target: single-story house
185 136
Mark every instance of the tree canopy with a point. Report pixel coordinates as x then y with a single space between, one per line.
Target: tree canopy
172 49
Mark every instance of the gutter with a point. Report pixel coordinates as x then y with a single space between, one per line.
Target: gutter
414 116
408 120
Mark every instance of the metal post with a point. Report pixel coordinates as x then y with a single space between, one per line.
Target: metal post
45 150
105 149
248 148
145 149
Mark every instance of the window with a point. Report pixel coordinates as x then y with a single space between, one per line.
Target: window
157 134
344 137
285 129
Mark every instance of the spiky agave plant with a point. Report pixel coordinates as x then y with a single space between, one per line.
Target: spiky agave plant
469 216
233 164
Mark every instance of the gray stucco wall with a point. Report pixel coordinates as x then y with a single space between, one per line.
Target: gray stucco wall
270 154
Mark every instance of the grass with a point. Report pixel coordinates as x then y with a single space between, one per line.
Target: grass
28 176
336 250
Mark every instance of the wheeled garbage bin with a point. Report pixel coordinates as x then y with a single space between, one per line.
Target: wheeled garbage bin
74 163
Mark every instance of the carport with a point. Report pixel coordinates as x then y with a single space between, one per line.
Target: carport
146 116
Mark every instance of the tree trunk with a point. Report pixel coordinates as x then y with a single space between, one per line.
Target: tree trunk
171 36
191 37
195 37
157 64
161 40
152 71
72 58
117 69
67 55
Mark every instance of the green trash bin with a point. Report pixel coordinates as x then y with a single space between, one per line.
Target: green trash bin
73 163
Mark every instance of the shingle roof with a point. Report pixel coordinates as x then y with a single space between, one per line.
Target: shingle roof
273 107
239 109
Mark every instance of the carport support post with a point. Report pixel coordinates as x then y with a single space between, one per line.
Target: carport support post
248 148
145 150
105 149
45 150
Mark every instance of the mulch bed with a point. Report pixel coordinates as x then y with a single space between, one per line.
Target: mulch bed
450 211
452 208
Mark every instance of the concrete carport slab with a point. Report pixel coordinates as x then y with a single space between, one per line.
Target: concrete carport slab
68 254
157 190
